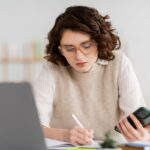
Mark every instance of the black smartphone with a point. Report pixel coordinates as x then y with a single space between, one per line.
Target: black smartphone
142 114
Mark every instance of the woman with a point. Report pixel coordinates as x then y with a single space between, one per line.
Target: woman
85 74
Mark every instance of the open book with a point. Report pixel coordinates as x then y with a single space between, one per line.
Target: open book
55 144
137 145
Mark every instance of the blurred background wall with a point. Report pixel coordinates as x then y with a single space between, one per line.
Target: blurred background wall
24 25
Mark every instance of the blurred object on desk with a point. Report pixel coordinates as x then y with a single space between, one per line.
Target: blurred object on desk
138 145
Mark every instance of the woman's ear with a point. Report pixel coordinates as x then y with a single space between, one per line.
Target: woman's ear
59 47
60 50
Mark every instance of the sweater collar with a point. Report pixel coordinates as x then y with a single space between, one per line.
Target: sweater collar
102 62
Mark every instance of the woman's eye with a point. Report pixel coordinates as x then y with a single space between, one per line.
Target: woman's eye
70 49
86 45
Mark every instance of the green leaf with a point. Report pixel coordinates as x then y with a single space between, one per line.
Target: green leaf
108 142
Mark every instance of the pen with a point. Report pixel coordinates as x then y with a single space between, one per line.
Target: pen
78 122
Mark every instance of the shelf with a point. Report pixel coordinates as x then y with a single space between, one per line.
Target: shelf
19 61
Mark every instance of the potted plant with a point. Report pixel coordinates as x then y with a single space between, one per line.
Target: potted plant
109 143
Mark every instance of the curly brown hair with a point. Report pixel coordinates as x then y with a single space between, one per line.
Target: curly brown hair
87 20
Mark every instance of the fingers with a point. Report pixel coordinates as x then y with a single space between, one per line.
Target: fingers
137 123
127 130
80 136
130 133
148 127
92 133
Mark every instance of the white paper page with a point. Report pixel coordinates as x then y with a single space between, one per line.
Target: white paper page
59 144
95 144
55 143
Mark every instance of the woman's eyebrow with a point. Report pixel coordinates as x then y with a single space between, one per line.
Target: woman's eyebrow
67 45
85 42
74 45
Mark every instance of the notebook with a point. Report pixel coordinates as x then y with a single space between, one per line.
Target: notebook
55 144
137 145
20 128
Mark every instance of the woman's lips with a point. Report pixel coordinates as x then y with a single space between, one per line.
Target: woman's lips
81 64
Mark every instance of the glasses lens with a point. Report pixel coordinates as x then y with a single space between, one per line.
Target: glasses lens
85 48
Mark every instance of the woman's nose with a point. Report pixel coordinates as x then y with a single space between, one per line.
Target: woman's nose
79 54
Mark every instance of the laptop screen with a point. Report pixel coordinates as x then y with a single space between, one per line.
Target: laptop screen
20 128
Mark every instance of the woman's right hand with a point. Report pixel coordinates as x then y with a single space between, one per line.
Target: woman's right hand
80 136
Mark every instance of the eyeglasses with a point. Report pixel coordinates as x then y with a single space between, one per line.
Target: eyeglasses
85 47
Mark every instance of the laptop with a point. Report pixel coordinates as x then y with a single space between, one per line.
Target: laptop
20 127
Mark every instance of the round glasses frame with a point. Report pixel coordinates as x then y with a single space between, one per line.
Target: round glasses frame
85 47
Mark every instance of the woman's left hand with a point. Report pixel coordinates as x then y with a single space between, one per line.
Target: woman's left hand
148 127
132 134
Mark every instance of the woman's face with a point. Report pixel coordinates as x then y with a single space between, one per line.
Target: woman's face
79 50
